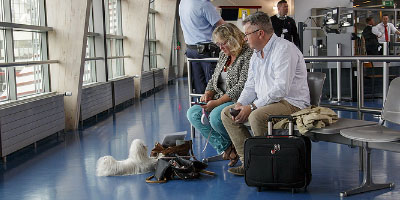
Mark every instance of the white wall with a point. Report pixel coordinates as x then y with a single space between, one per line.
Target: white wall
303 10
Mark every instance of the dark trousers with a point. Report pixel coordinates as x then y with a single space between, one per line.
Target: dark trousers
201 72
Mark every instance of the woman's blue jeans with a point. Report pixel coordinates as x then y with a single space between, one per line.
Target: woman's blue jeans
219 138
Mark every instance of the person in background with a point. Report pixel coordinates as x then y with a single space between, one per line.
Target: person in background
371 35
285 26
198 20
223 89
386 28
276 84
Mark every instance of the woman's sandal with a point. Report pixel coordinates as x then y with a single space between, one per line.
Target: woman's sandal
233 157
227 153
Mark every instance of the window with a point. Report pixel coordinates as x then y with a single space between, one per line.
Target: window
114 39
25 12
151 35
89 73
28 45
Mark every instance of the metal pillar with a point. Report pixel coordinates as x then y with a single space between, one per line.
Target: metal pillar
192 130
312 53
385 72
339 73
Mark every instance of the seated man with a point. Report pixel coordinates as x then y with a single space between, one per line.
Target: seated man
276 83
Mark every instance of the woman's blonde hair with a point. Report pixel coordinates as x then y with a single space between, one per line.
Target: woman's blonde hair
232 35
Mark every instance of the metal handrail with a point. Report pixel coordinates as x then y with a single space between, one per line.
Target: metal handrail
360 78
352 58
191 94
360 86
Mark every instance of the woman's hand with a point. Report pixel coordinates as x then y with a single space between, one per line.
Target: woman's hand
211 105
207 96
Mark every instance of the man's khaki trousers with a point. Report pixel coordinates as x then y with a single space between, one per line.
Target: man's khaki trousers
258 122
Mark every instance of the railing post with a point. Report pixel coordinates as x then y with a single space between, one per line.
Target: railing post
385 72
192 130
312 53
339 73
360 92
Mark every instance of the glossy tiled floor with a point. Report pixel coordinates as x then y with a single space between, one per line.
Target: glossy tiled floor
65 168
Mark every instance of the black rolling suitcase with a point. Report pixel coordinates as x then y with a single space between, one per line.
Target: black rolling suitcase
279 160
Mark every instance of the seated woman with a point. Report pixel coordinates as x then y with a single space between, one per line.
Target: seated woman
223 89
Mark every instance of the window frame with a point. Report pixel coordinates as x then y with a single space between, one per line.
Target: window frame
9 28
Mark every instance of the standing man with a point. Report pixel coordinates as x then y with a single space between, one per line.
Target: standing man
285 26
371 35
198 20
276 84
386 28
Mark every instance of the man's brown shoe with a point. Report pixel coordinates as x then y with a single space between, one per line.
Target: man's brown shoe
239 171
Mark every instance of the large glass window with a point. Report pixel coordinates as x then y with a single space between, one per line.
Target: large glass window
2 48
3 83
115 61
151 34
27 46
25 12
89 73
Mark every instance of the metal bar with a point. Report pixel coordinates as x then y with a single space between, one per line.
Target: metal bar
44 48
339 73
94 58
359 91
26 63
312 54
152 11
188 60
203 59
116 57
24 27
92 34
152 40
353 109
352 58
110 36
9 54
313 28
330 84
385 72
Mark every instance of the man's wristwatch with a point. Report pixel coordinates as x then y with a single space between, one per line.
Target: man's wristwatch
253 107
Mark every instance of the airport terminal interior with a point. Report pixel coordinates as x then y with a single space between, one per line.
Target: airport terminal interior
82 79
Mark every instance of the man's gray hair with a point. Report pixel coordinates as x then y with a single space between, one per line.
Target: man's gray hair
260 19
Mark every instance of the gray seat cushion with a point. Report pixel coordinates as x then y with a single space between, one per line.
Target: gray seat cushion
342 123
375 133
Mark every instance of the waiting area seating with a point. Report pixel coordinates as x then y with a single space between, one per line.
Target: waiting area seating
356 133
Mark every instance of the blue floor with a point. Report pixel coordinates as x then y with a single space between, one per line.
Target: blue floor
64 168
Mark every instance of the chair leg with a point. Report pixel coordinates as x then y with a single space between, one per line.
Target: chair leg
367 185
192 132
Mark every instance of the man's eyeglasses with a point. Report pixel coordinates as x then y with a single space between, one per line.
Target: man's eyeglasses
221 44
246 34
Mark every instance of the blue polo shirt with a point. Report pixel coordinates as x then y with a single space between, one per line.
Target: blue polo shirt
198 19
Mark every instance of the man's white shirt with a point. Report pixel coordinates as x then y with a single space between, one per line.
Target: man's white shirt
281 74
381 28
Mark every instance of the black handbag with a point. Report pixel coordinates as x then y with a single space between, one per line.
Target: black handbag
177 168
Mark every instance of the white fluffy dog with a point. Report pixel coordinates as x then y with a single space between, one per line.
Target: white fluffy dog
138 162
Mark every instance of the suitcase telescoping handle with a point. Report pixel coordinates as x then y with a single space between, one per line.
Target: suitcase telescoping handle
289 117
